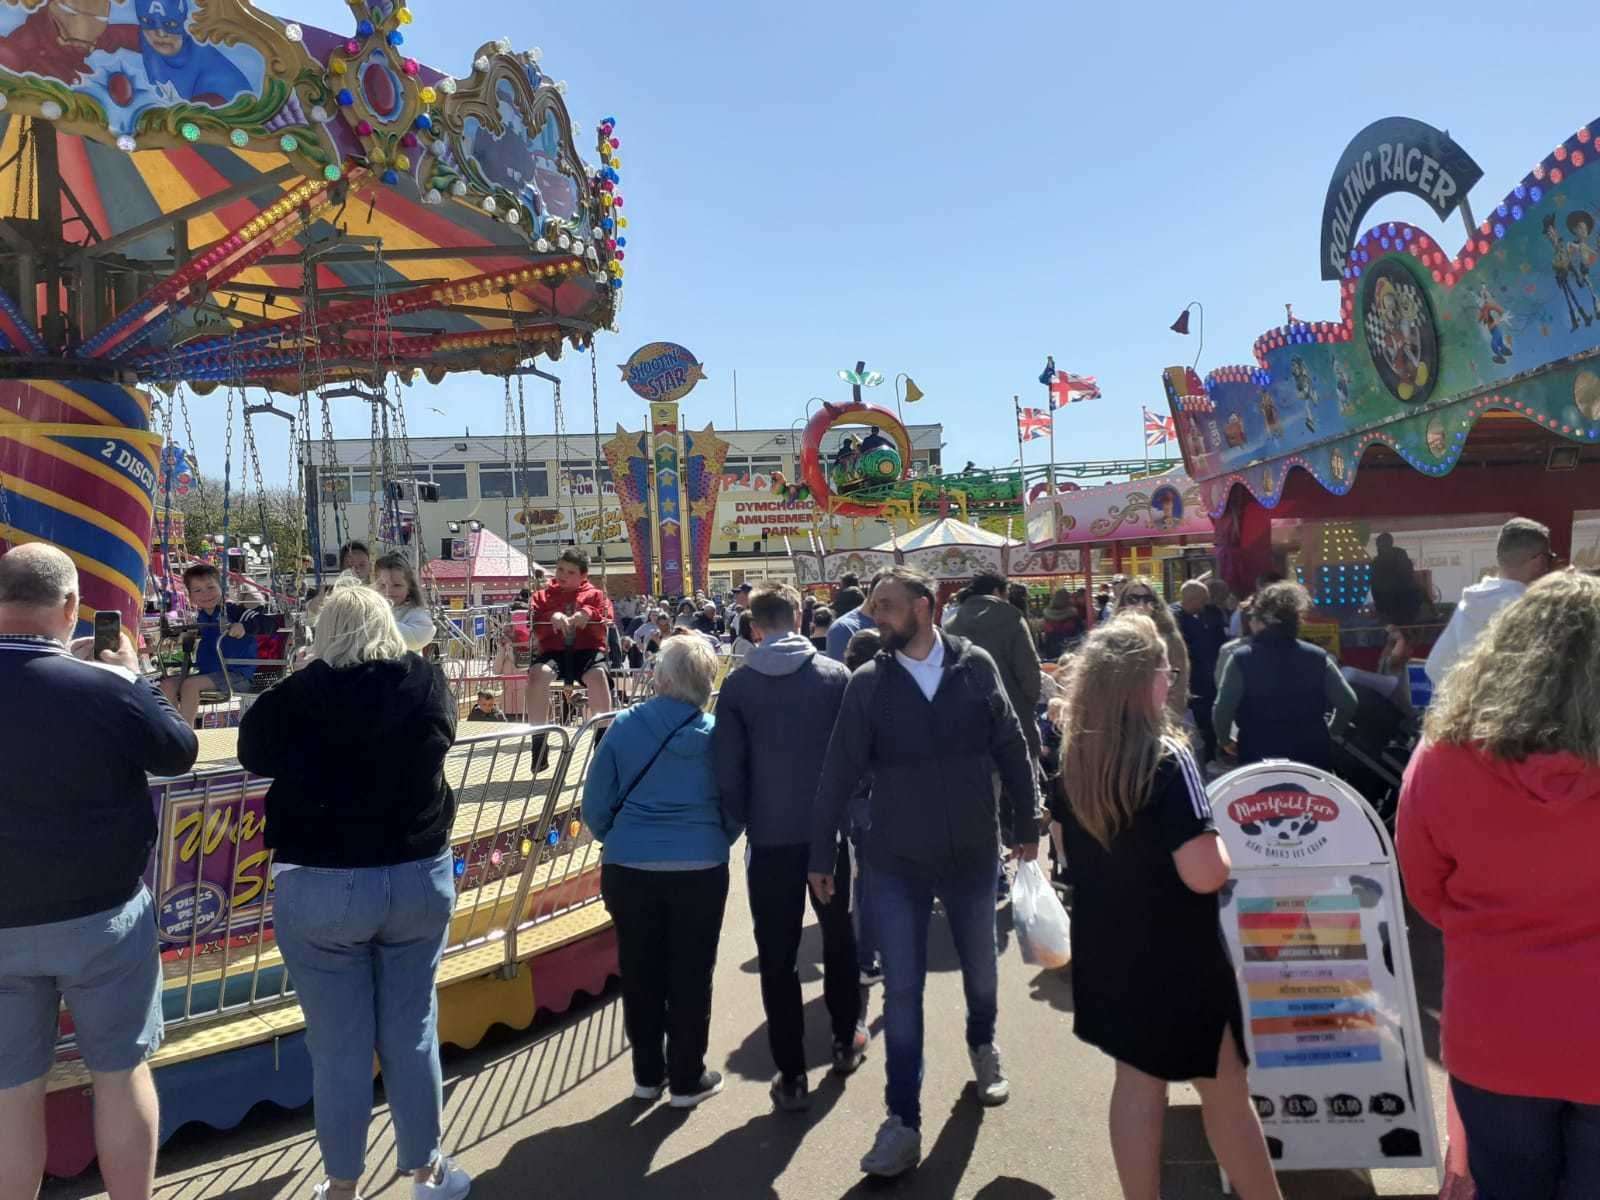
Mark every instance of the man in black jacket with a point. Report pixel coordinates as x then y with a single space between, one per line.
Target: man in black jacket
929 720
76 828
774 716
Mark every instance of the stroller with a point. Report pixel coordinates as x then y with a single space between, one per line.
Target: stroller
1372 754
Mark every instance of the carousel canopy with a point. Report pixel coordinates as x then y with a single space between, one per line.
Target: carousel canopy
946 531
207 192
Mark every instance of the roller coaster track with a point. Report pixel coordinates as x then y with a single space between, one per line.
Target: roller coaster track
993 492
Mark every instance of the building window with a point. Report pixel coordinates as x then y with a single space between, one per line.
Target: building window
451 478
495 482
577 478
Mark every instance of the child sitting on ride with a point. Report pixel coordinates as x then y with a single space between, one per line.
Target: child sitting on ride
397 582
570 617
215 668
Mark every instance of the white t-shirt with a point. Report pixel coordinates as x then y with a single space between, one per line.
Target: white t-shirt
928 671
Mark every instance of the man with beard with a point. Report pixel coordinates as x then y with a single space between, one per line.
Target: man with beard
928 720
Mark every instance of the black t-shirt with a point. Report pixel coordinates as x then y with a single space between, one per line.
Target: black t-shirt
1141 939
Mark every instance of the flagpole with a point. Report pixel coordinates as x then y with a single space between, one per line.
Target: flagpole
1144 432
1022 469
1050 411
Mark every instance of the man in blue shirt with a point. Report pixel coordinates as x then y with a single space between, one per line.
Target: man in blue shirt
850 616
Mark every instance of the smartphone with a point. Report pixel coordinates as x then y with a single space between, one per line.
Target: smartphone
107 632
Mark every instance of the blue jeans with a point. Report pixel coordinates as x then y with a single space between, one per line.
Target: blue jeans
902 906
1526 1148
362 947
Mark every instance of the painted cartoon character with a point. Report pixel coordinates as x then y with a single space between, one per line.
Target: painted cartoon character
1581 224
1306 389
1561 265
1492 316
1235 432
1269 414
1341 386
173 59
55 41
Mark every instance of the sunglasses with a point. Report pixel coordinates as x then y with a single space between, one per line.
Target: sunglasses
1139 598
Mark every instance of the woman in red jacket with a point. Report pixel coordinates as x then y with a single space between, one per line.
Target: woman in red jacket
1499 820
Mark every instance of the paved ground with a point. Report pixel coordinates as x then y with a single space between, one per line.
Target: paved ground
545 1113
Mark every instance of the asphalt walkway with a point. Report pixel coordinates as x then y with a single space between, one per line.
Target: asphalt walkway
545 1113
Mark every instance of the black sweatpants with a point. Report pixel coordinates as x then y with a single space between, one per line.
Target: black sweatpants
778 887
668 923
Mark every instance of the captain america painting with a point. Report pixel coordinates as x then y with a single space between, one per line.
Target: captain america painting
130 55
172 58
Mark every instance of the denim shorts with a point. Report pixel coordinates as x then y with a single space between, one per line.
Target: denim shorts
108 968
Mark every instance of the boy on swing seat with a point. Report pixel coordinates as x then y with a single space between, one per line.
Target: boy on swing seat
225 631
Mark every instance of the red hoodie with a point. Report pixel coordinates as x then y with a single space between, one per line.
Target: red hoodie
1502 857
548 601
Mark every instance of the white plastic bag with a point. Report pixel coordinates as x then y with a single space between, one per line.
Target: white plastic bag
1044 932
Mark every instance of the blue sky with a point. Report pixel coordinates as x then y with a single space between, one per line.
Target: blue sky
957 191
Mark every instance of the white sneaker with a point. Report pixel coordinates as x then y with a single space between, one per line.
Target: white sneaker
993 1087
895 1151
710 1084
648 1094
453 1183
322 1189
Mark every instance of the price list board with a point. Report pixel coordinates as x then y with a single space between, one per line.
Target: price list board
1314 921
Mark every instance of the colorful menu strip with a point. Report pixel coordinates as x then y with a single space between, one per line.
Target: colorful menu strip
1279 904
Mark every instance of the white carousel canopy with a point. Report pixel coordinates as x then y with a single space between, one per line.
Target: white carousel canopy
946 531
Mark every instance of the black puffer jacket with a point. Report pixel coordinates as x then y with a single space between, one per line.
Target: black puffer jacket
932 765
356 758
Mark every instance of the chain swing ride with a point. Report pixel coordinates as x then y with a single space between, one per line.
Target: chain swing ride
318 216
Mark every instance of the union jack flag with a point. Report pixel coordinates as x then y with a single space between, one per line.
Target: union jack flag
1158 429
1033 423
1067 388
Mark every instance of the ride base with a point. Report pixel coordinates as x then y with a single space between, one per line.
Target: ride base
529 931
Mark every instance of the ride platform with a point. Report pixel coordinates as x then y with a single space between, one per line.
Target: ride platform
529 930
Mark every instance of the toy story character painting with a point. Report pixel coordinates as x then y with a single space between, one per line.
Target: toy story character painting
1341 388
1492 320
1269 415
130 57
1564 258
1306 389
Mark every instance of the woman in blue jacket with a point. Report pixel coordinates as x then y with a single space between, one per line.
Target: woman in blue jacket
651 800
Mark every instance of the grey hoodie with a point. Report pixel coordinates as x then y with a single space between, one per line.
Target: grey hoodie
774 718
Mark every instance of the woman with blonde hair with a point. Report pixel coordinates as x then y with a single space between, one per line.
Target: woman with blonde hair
1499 817
393 577
651 799
358 819
1139 595
1153 986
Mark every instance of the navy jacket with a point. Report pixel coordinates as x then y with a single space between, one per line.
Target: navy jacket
76 818
1283 712
932 765
1204 633
774 717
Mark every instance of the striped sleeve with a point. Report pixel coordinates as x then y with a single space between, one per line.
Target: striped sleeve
1181 808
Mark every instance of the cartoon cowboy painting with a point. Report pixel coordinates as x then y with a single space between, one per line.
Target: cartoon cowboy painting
1561 263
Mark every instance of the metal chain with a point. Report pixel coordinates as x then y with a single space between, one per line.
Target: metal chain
520 466
599 489
182 399
227 489
511 462
564 464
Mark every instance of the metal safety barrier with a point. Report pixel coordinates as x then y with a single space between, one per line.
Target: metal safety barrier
521 856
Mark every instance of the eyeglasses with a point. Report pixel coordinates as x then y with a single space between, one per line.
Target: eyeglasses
1139 598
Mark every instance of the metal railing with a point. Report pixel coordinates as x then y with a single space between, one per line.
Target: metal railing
521 858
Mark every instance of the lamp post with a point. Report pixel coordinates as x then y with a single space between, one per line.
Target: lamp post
1181 325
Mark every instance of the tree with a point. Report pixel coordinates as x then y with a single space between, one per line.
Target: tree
283 530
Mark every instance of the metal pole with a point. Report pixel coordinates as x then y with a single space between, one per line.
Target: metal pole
736 399
1049 410
1022 467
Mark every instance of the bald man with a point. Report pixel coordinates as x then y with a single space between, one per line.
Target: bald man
76 830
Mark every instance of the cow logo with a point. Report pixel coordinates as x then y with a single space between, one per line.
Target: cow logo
1283 821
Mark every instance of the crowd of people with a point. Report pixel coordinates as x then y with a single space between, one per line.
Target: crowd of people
879 755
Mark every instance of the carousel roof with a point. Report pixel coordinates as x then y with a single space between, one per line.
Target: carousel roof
293 203
946 531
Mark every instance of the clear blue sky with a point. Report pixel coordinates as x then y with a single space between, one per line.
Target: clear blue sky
955 191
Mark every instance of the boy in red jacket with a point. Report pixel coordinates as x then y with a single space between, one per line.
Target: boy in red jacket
569 617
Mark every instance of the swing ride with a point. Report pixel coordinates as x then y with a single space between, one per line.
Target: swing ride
288 221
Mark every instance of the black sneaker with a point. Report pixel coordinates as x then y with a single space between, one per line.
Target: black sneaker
848 1056
792 1094
710 1084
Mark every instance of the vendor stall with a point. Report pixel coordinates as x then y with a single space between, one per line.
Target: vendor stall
1154 526
480 569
